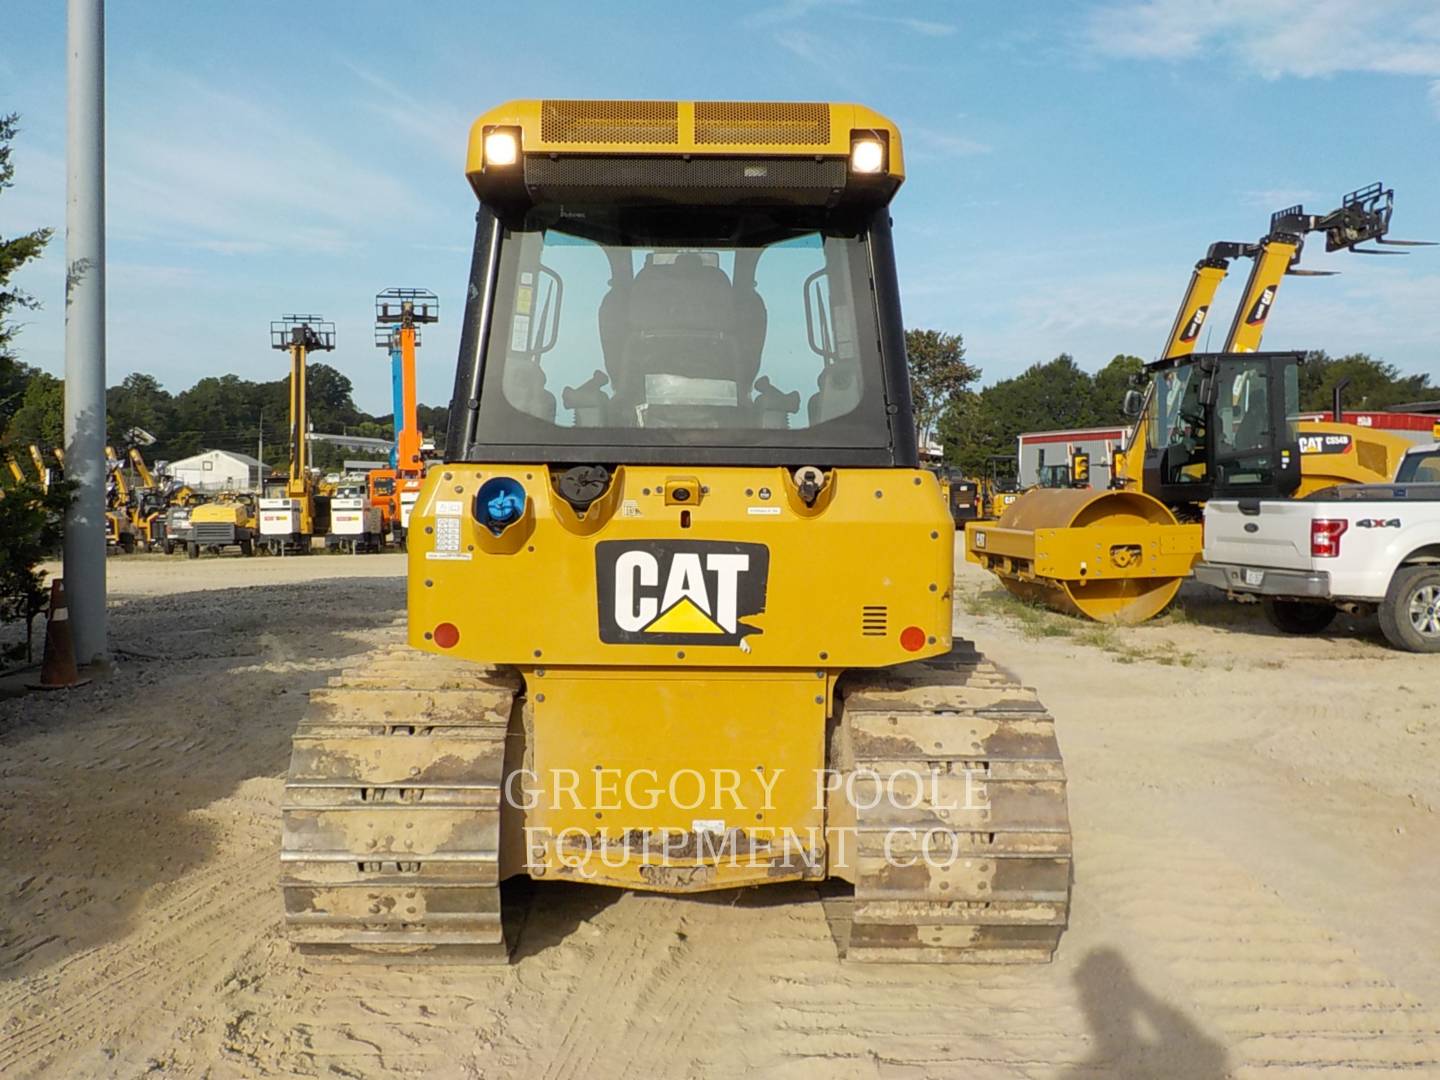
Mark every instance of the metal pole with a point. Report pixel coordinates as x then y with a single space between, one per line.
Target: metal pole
260 443
85 328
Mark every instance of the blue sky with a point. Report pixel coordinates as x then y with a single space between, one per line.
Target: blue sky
1068 162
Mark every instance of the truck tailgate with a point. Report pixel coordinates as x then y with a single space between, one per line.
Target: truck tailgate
1274 534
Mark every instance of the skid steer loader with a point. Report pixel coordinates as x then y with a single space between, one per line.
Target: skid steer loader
679 593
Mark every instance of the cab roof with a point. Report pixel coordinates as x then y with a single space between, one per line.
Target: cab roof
690 128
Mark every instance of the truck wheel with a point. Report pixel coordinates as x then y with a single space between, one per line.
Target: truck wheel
1297 616
247 548
192 550
127 544
169 547
1410 612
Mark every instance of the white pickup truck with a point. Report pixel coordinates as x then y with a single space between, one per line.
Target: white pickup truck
1356 548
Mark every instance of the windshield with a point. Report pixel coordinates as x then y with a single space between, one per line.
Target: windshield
1419 467
626 327
384 485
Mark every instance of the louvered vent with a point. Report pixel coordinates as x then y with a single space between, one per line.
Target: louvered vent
609 122
874 621
748 123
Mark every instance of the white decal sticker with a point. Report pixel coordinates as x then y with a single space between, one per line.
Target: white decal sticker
520 334
449 508
630 508
447 534
449 556
763 511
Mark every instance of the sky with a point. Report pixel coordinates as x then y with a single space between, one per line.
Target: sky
1067 162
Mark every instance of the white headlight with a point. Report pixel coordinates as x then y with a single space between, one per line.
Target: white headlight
501 148
867 156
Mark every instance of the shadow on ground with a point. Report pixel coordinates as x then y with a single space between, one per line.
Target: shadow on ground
100 785
1136 1035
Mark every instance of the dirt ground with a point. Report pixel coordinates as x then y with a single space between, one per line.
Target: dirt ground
1257 883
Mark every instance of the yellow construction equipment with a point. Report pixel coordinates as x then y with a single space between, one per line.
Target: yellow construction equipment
119 501
226 521
1207 424
292 511
680 593
149 503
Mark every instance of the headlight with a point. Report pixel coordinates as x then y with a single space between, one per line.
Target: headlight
502 146
867 155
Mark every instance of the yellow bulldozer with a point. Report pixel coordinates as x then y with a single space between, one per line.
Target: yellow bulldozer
1207 425
679 592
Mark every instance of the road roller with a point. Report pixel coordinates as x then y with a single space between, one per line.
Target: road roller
1221 424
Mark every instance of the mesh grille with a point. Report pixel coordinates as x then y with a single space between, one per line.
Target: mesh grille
214 532
700 180
874 621
747 123
609 122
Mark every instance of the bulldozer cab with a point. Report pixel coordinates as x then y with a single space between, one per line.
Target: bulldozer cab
704 334
743 312
1222 424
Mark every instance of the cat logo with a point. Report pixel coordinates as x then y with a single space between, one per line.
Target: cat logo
1192 328
1261 310
1325 444
679 592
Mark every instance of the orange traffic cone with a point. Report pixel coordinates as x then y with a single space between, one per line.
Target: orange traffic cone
58 670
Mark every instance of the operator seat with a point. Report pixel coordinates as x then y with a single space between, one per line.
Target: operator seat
680 320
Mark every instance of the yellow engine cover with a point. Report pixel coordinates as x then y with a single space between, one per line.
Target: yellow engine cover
740 574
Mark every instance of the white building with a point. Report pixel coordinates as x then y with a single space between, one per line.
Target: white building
218 470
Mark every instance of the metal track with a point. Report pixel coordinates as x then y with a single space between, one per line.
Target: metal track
391 814
994 886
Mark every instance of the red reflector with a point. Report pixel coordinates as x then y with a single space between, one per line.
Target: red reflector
912 639
447 635
1325 536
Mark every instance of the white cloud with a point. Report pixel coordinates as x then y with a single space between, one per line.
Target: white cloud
923 27
928 142
812 48
195 166
442 126
1277 38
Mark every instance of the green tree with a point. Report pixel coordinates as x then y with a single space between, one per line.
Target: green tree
1045 396
31 409
138 403
41 416
1373 384
15 252
938 374
1111 382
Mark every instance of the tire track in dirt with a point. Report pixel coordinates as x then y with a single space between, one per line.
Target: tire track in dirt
1284 993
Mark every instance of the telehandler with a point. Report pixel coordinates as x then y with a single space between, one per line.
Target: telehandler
1223 424
679 592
